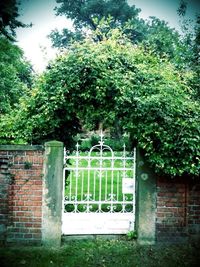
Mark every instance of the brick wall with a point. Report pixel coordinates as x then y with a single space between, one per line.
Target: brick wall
22 195
21 171
194 210
4 188
178 210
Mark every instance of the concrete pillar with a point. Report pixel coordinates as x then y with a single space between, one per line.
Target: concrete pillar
52 194
145 201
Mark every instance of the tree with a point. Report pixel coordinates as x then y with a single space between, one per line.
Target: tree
196 58
192 37
87 15
114 80
15 75
167 42
8 19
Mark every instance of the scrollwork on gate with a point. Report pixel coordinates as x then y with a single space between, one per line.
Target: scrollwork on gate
93 181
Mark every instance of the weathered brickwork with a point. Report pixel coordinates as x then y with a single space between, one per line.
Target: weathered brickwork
21 174
178 210
28 196
194 210
4 189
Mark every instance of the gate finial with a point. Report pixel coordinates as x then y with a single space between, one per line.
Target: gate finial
101 142
77 147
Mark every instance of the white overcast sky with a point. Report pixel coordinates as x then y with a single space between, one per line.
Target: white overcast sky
37 47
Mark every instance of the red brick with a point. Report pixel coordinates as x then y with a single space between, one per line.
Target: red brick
24 208
36 220
36 187
37 236
37 213
38 193
19 203
24 219
36 198
19 235
28 203
24 197
28 236
35 230
28 224
38 183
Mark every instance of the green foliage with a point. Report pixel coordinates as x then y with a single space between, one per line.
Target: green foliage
182 8
83 12
167 43
88 15
15 75
8 18
195 61
16 80
15 72
118 144
101 16
28 165
65 38
102 252
41 116
191 32
111 81
94 140
131 235
85 145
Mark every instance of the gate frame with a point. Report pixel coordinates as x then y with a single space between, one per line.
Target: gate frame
123 215
52 203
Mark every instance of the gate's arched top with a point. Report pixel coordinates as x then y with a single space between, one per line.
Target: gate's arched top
101 147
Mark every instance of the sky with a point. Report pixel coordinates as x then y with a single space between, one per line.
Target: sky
37 46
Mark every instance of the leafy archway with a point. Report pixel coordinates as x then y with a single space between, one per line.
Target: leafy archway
114 80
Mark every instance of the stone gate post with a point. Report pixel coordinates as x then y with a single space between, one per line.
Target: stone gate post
52 194
145 201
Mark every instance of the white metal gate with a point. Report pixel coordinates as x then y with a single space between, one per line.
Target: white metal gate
99 191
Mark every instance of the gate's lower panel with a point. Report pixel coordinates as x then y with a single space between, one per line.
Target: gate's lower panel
97 223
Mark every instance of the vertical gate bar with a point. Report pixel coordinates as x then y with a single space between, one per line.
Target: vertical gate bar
117 185
70 185
106 185
76 191
94 195
124 174
134 177
112 182
100 179
101 165
76 176
88 185
82 184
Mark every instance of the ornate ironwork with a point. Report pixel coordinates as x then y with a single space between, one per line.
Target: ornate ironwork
99 182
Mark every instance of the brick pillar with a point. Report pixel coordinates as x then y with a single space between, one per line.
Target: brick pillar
52 194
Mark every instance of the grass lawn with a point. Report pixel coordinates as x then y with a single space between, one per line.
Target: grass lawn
101 253
102 182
